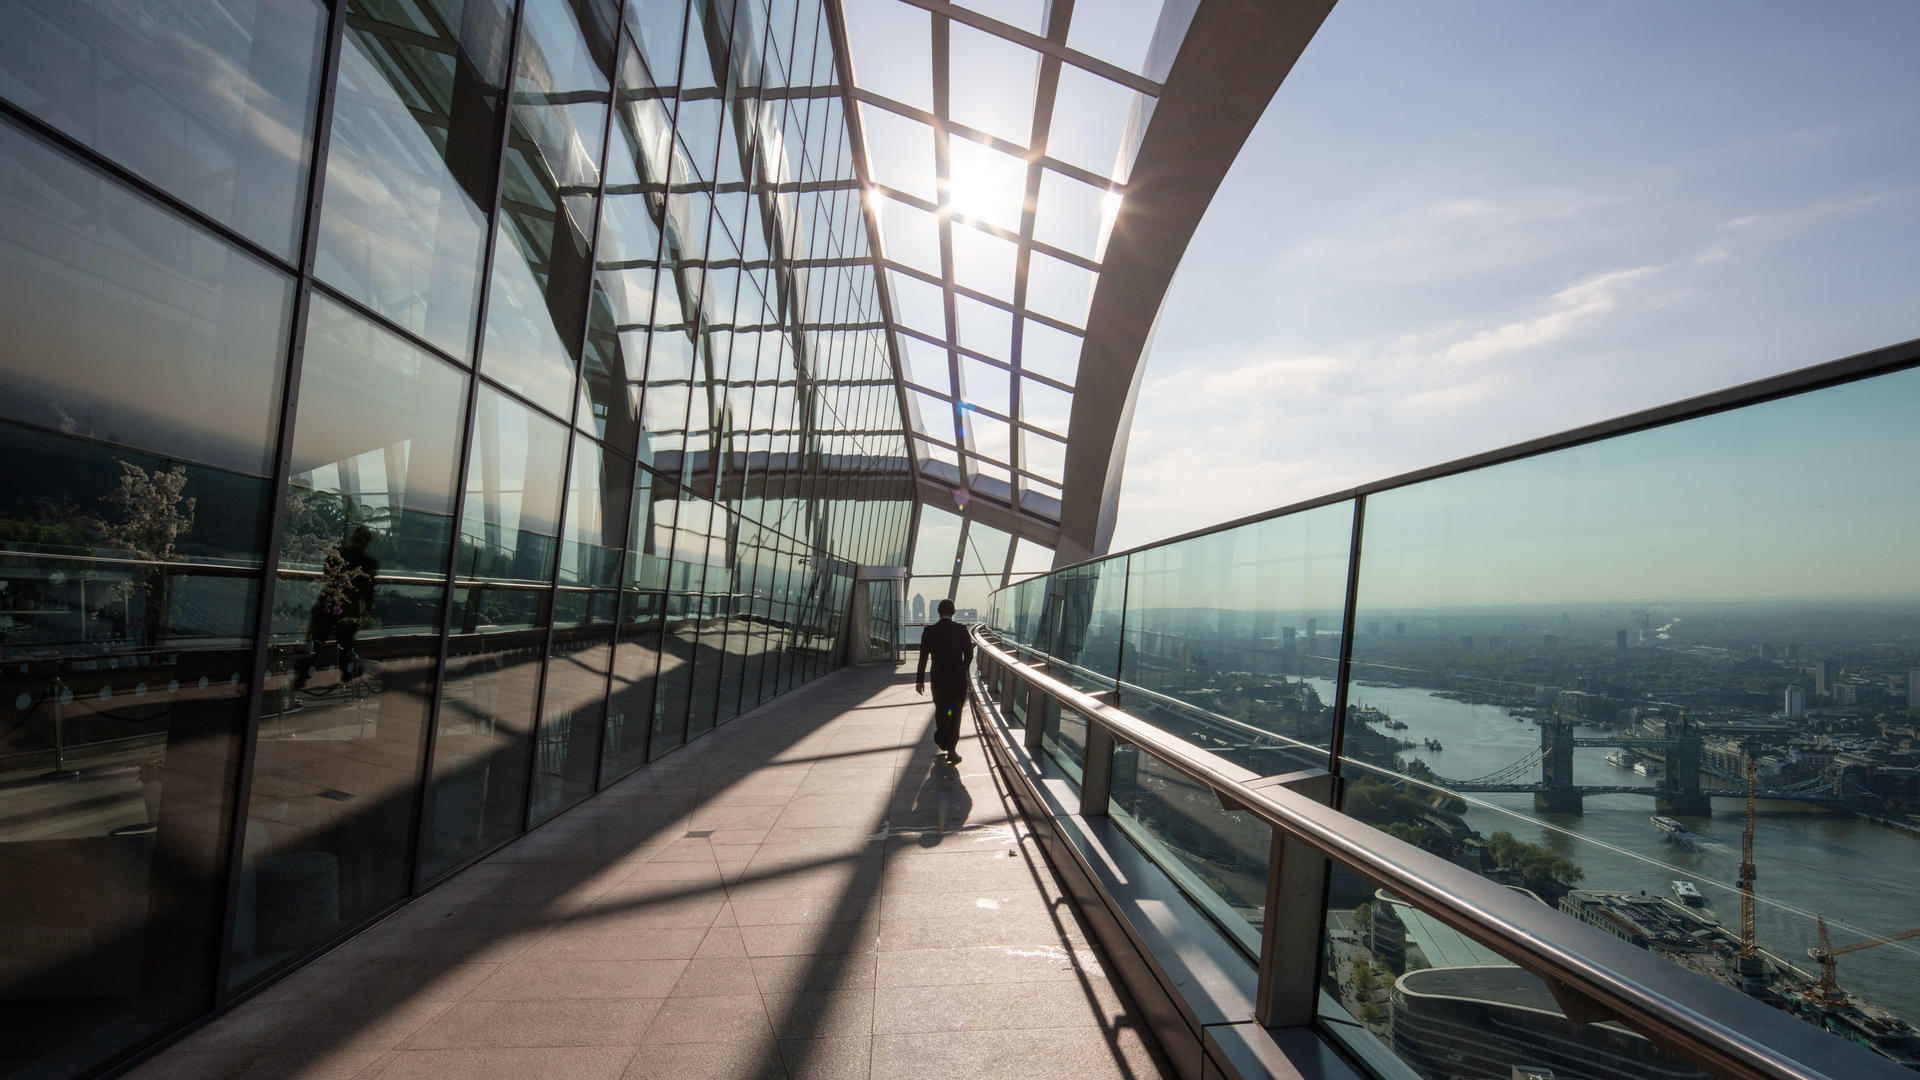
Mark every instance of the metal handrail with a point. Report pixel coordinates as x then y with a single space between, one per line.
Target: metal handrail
1593 975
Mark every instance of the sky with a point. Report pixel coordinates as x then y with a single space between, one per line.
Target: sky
1464 225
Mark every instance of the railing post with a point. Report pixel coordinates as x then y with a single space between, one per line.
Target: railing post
1096 777
1037 705
1294 921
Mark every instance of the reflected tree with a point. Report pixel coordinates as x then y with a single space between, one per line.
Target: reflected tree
151 513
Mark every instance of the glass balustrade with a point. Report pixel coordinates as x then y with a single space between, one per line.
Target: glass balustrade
1665 683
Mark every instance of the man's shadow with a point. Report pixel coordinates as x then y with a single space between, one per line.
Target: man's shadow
942 803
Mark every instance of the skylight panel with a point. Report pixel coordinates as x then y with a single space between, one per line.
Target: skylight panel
1058 289
984 328
1043 456
1049 352
991 83
900 151
1045 406
985 385
983 262
909 235
892 46
1117 31
985 184
1089 120
918 305
1070 215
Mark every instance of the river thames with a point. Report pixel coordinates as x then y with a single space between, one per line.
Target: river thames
1865 878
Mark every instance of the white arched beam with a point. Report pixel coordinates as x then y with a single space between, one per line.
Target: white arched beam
1219 62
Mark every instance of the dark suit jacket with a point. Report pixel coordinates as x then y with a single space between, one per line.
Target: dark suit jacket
949 648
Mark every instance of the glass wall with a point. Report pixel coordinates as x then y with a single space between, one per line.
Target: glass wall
1573 673
372 503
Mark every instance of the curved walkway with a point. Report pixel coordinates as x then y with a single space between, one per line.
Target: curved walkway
803 893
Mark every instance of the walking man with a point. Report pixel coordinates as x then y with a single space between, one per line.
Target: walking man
947 644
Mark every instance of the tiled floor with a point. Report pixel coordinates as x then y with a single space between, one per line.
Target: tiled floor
804 893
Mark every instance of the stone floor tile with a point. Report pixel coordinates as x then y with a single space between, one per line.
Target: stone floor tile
550 1022
318 1063
733 1018
544 1063
796 939
901 1010
715 977
816 1014
595 942
531 980
995 964
991 1055
827 1059
708 1061
812 972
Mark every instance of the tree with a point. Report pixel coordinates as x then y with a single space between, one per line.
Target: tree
1412 834
1543 871
152 516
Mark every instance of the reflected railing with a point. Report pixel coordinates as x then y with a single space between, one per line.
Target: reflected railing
1659 677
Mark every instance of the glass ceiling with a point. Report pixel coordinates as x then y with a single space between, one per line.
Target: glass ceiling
996 159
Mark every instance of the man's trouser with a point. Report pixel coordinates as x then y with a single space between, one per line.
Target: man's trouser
947 706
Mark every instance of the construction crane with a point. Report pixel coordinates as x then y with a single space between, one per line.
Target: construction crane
1749 951
1828 994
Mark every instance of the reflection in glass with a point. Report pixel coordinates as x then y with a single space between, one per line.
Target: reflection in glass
357 609
1217 856
479 782
410 165
1446 1004
212 105
536 312
573 700
636 665
1233 638
600 485
128 325
510 524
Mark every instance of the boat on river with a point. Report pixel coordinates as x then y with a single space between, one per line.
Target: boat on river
1675 831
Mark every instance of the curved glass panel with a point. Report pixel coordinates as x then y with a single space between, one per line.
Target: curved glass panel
356 620
541 272
411 162
213 105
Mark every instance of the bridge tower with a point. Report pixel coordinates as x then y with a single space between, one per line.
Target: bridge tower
1557 793
1680 783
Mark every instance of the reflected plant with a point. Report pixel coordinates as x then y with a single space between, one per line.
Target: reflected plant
152 516
341 585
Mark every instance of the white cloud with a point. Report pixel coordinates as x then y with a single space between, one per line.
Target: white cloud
1573 305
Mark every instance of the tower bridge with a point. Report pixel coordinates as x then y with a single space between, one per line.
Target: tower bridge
1678 792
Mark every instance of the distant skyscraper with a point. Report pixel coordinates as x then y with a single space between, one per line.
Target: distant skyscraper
1313 632
1913 688
1795 705
1620 642
1826 676
1286 638
919 607
1793 650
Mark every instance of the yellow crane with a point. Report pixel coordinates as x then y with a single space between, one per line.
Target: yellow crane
1749 950
1828 994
